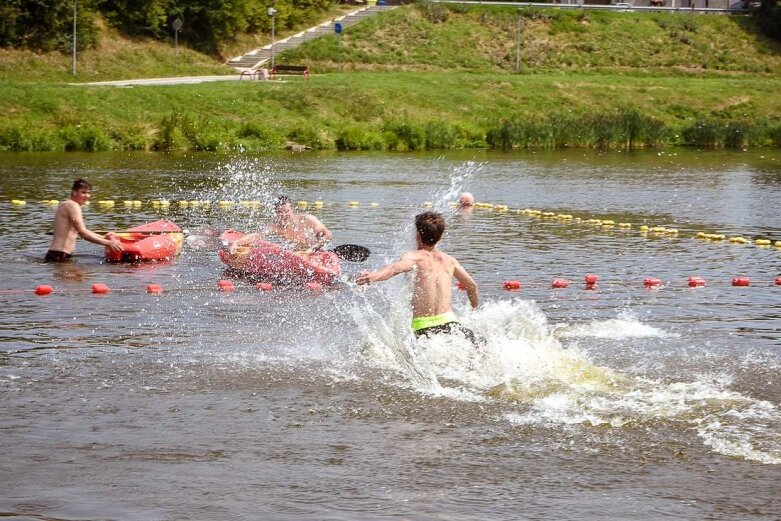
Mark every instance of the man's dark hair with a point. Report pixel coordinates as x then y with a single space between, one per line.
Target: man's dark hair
80 184
282 200
430 226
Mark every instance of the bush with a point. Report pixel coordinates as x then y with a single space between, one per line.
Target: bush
358 138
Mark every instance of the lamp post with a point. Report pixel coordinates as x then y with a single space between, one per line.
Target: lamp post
518 46
272 13
75 13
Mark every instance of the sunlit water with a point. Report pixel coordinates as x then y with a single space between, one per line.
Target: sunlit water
199 404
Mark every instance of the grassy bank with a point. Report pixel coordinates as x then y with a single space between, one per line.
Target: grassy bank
434 37
369 112
425 77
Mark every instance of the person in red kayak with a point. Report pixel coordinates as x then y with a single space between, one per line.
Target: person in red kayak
69 223
433 272
300 231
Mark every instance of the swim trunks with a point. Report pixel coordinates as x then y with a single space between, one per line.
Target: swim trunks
444 323
57 256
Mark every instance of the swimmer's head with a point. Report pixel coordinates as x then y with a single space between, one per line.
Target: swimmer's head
283 206
430 227
466 200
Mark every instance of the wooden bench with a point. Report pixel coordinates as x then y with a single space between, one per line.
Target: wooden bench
290 70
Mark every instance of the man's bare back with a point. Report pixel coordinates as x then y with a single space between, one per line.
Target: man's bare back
433 275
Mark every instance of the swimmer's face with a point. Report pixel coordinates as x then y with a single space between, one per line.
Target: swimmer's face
81 195
284 211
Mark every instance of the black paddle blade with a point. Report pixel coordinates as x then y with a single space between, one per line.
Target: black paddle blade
352 252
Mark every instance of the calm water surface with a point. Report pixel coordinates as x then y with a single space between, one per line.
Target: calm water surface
616 402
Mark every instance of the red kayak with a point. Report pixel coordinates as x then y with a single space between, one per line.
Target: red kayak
271 262
159 240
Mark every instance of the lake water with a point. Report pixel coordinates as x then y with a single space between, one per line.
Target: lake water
619 401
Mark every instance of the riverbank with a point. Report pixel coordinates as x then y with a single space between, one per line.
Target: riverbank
409 79
398 111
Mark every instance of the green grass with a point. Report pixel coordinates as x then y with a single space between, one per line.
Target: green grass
424 77
365 111
483 39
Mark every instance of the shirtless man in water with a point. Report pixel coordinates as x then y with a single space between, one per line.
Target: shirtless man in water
302 232
433 273
69 223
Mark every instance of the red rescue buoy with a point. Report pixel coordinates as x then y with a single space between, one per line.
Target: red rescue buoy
652 282
226 285
512 285
459 285
154 288
740 281
264 286
560 283
100 289
43 289
591 279
696 282
778 281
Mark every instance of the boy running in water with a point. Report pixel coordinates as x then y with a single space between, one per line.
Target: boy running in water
433 273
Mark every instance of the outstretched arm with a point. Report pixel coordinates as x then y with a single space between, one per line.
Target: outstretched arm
406 263
247 239
77 220
468 283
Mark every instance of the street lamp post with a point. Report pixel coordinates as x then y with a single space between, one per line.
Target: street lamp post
75 12
272 13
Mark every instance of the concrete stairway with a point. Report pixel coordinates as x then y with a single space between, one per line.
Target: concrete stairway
253 60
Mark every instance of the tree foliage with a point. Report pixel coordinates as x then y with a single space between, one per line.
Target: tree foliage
47 24
769 17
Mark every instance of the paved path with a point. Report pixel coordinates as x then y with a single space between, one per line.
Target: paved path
163 81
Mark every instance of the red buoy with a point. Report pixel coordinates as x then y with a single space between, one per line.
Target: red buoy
100 289
778 281
696 282
512 285
154 288
652 282
560 283
740 281
43 289
226 285
591 279
264 286
459 285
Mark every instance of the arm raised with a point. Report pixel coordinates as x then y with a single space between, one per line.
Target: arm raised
404 264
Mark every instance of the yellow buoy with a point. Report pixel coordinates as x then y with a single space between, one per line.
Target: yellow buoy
762 242
183 204
353 203
318 204
624 225
643 228
302 204
18 202
137 204
374 205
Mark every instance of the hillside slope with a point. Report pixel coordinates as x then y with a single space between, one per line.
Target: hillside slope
483 39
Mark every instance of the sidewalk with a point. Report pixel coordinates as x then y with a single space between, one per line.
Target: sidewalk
163 81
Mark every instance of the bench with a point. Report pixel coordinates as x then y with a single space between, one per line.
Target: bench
290 70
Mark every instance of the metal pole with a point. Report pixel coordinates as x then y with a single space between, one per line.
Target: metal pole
518 46
272 41
75 13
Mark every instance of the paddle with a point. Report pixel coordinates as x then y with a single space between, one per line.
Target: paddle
351 252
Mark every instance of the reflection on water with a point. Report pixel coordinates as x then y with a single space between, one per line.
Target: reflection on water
612 402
